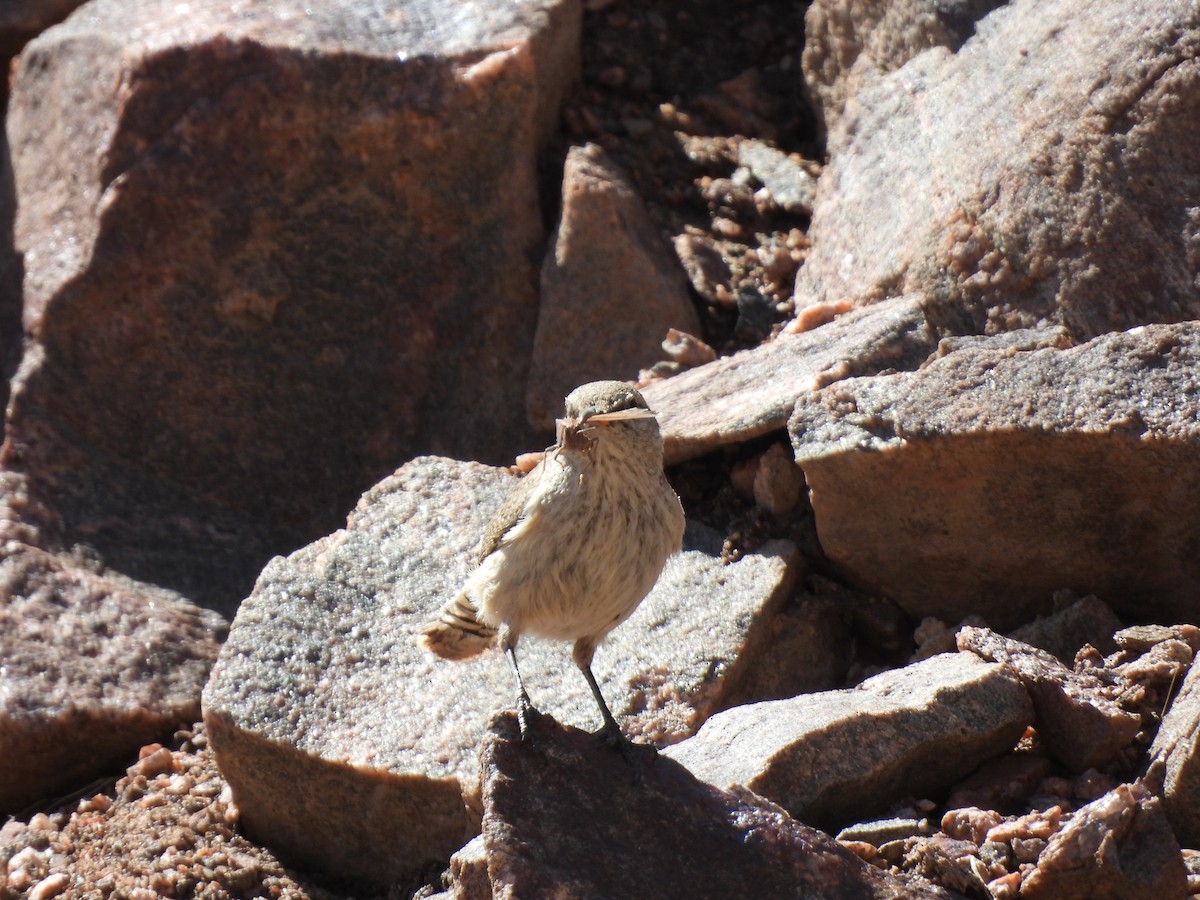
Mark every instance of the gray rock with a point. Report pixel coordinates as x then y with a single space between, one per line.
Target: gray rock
1175 759
988 480
1045 173
840 756
846 45
576 821
611 290
1076 719
790 186
322 682
750 393
270 252
94 666
1119 847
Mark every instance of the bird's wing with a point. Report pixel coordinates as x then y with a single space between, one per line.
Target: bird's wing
509 515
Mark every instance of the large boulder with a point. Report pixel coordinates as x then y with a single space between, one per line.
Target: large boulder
270 252
322 682
989 479
1044 172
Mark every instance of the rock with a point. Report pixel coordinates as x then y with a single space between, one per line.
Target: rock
837 757
790 186
94 666
468 876
1004 784
610 288
572 819
10 265
1175 760
998 179
22 19
848 44
1119 847
707 270
1074 622
1075 717
988 480
752 392
322 683
270 253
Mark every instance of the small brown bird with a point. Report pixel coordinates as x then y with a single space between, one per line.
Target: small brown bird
576 547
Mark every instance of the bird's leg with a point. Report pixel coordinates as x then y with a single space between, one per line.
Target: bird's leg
509 641
584 650
611 730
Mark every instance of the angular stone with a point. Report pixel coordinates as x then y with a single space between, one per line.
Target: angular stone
1081 726
1043 173
1071 625
842 756
94 665
270 252
752 392
1175 760
322 682
1119 847
846 45
988 480
789 185
575 820
611 289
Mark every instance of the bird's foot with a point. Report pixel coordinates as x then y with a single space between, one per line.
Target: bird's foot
525 712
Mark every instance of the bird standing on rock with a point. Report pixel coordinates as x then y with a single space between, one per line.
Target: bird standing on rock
576 547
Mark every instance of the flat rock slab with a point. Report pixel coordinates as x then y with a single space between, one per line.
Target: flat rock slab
1118 847
611 288
750 393
990 479
1044 172
839 757
94 665
322 682
573 820
1081 726
1175 759
238 223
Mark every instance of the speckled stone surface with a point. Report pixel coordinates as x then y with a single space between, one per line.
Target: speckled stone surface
322 682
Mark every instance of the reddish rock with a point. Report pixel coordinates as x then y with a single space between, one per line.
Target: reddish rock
1119 847
847 45
1072 624
989 479
569 818
94 666
1045 172
1076 716
270 252
611 291
322 681
750 393
1175 760
838 756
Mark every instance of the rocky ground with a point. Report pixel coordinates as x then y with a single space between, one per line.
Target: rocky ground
1061 793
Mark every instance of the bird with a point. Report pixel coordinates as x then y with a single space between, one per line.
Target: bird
575 548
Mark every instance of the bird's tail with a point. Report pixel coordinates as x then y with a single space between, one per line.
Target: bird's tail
457 632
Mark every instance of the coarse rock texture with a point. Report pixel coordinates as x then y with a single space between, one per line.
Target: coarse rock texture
750 393
570 819
610 288
1119 847
836 757
847 45
1175 760
1046 172
1077 715
990 479
1073 623
322 682
271 251
92 666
